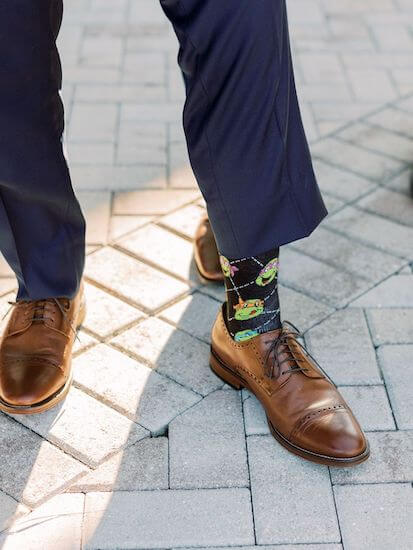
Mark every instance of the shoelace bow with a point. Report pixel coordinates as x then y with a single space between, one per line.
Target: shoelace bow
273 369
40 306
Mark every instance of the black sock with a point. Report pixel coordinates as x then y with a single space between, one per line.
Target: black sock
252 294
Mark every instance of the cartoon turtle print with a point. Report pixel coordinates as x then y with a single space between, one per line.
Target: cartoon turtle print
248 309
243 335
227 269
267 273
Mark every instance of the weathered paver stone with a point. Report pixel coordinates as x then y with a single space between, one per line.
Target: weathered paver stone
282 487
142 142
107 314
300 309
133 389
391 326
117 178
93 122
342 346
31 469
215 290
371 516
83 342
7 284
321 281
151 202
359 224
85 428
349 256
195 314
394 120
133 280
185 220
10 510
96 209
390 460
254 415
122 225
370 406
163 249
364 163
168 518
341 183
379 140
400 183
142 466
396 362
397 291
56 524
207 444
172 352
389 204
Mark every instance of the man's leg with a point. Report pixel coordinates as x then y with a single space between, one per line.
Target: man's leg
245 137
250 156
41 225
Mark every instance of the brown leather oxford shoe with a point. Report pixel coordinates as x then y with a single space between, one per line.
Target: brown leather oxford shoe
305 411
36 353
206 252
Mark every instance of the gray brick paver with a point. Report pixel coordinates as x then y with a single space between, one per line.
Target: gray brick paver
207 444
10 510
363 226
396 363
349 256
206 517
292 498
172 352
370 405
131 388
56 524
107 314
391 325
319 280
390 460
339 182
35 470
164 249
344 349
142 466
133 280
84 428
185 314
397 291
375 516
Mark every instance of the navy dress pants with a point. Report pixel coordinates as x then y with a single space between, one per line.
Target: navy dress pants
241 118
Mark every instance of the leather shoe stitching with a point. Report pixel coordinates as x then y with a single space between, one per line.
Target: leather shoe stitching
309 418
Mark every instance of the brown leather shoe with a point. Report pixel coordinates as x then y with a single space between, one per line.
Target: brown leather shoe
305 411
206 252
36 352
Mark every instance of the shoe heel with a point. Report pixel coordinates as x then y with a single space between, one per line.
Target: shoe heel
224 373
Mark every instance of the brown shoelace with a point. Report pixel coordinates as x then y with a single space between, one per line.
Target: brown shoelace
280 345
38 310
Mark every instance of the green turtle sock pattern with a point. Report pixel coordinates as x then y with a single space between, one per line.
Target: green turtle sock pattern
251 285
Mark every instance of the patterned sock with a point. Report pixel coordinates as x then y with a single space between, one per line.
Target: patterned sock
252 295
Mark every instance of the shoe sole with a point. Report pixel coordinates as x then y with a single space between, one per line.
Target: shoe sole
53 399
228 376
